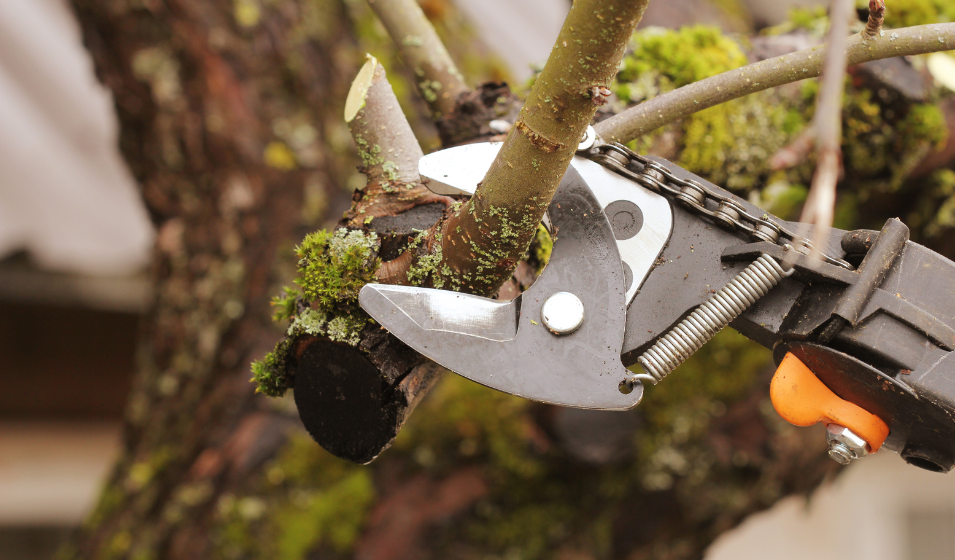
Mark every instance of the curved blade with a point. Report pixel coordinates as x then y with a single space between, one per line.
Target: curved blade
504 345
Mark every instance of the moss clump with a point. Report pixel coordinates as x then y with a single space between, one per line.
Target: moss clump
934 214
727 143
269 374
679 57
332 268
882 144
731 144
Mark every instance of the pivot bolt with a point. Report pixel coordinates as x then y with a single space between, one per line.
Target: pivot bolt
562 313
845 445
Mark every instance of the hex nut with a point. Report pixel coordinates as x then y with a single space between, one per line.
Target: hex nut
842 440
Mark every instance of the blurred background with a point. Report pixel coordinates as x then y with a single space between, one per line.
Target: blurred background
75 249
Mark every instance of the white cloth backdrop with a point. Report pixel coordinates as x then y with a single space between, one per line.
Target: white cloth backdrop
65 194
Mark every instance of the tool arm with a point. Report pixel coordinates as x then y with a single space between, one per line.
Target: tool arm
891 350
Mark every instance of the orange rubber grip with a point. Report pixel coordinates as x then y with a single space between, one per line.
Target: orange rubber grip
802 399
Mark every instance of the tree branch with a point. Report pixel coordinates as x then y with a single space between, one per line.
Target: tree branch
484 240
388 149
827 125
770 73
357 416
436 76
375 119
873 26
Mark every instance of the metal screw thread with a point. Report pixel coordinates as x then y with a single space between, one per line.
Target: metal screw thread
705 321
840 453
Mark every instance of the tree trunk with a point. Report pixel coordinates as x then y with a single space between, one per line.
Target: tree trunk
228 111
231 121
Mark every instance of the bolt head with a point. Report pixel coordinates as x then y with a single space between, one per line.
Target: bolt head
562 313
590 138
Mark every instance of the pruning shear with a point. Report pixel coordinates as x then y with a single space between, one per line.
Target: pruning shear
650 261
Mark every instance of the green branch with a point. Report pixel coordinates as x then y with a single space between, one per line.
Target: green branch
800 65
435 74
482 243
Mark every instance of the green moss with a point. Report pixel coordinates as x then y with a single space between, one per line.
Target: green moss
284 305
269 374
333 514
935 213
306 500
926 122
727 144
731 144
812 19
904 13
680 57
334 266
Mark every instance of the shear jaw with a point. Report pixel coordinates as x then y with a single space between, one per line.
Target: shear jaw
506 345
560 341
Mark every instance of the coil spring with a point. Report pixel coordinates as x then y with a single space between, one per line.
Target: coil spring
705 321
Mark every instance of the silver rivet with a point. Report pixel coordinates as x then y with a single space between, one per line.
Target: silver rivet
588 141
562 313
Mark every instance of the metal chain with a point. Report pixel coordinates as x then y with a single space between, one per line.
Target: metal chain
694 196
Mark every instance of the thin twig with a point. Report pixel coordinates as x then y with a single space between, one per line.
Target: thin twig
795 152
436 76
388 149
800 65
827 125
485 239
873 27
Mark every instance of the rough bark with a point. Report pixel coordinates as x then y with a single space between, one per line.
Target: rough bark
225 125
